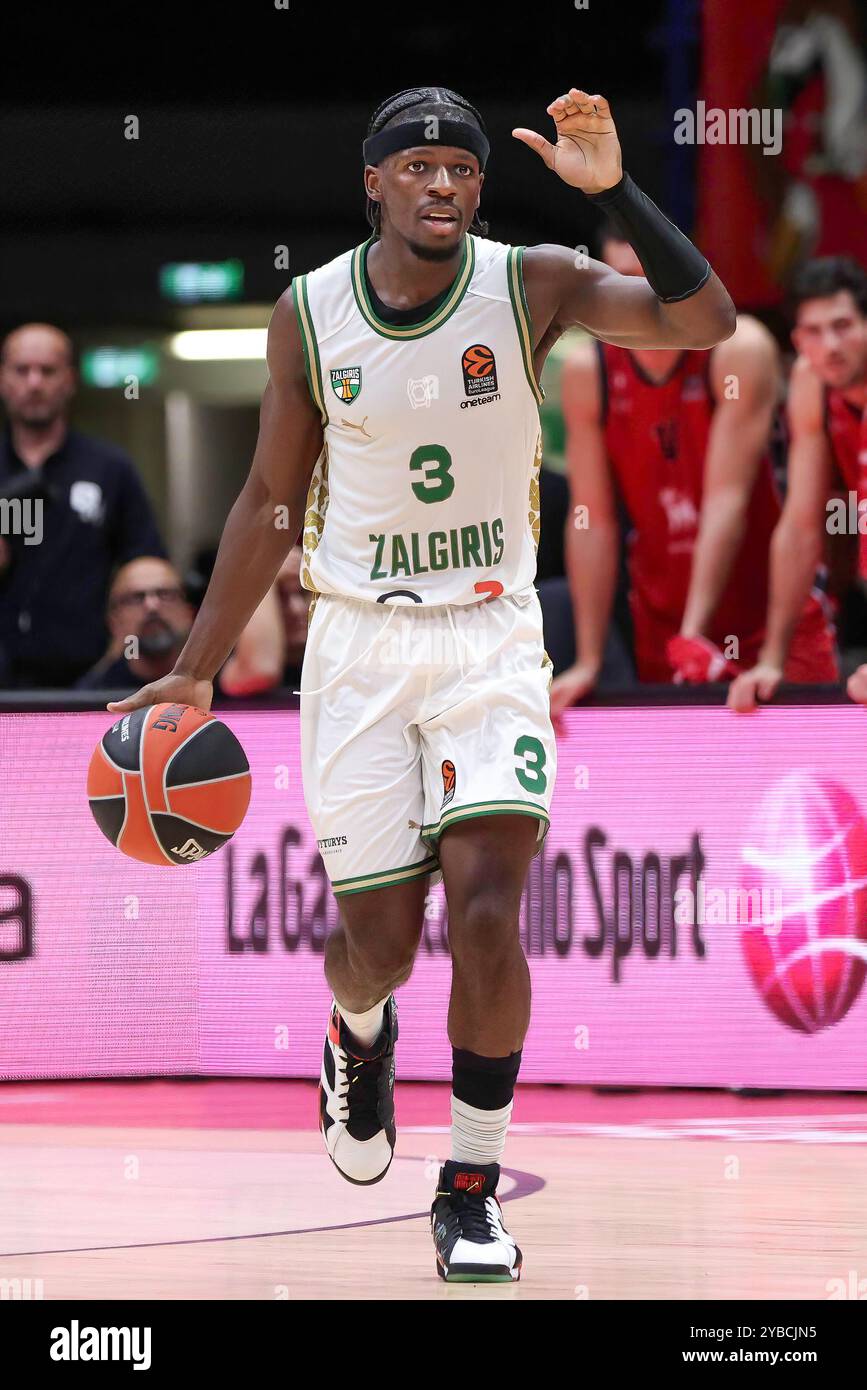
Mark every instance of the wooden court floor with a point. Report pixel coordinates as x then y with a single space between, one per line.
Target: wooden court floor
221 1190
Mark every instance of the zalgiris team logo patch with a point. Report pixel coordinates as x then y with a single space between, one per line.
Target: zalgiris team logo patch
346 382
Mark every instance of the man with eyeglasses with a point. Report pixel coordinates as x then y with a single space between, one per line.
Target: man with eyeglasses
72 508
149 619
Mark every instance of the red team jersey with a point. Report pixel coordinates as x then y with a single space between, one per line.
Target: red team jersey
846 427
656 437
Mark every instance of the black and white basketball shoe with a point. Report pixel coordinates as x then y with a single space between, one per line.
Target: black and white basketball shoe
356 1099
472 1244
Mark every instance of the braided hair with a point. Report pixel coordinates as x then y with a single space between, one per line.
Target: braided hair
401 107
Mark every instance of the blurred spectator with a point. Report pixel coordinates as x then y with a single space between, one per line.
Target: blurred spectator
690 459
256 664
817 191
149 620
198 576
828 440
91 509
270 651
551 579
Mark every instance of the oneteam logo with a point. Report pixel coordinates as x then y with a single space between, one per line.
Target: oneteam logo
77 1343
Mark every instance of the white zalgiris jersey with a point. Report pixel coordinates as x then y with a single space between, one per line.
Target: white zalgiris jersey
427 487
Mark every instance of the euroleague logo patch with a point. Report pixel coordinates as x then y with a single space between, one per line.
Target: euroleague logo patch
448 771
480 371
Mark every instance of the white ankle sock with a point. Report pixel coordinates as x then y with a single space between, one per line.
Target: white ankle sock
366 1027
478 1136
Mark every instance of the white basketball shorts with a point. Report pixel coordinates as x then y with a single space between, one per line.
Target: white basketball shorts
414 718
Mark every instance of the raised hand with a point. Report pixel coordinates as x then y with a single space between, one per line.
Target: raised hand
587 152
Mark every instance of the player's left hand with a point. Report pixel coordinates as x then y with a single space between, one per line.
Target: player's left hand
856 686
695 661
587 152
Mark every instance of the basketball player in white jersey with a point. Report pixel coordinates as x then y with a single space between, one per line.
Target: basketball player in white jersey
400 429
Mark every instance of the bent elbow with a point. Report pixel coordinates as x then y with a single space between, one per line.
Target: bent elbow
715 327
728 321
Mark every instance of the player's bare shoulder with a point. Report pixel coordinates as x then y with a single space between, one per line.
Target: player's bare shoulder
287 372
550 264
552 272
285 352
290 425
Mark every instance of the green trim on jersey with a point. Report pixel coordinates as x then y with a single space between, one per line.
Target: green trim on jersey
435 320
312 367
522 317
431 833
362 883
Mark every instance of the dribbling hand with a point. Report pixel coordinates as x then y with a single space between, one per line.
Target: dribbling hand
174 689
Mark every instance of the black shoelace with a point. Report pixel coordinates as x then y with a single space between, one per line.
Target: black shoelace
469 1214
362 1087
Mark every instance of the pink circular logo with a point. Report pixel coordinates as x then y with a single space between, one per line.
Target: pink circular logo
805 862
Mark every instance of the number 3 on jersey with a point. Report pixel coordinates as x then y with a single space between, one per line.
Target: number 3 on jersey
531 773
434 463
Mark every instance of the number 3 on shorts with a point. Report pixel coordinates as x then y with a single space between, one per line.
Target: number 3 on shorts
531 773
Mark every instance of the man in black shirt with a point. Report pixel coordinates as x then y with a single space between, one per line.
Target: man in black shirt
90 505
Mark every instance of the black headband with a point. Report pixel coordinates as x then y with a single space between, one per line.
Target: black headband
408 134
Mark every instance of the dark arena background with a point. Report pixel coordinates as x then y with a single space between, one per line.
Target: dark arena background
689 1133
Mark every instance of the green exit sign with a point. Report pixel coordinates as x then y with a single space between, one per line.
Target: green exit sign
113 366
191 282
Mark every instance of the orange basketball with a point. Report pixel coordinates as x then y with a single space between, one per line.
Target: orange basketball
168 784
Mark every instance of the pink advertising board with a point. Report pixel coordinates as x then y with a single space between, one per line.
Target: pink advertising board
698 915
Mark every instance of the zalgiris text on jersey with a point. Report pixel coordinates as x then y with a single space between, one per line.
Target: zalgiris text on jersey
477 545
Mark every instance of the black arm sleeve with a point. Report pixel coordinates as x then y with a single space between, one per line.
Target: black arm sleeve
674 268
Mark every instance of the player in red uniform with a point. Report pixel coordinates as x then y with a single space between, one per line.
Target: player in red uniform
683 437
826 412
